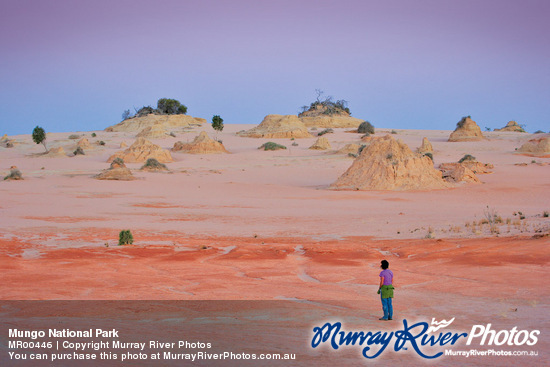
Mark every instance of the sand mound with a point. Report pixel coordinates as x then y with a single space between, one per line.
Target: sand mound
83 143
466 130
117 171
15 174
6 142
167 122
512 126
56 152
539 146
458 172
331 121
349 149
278 126
156 131
389 164
140 151
317 117
202 144
322 143
426 147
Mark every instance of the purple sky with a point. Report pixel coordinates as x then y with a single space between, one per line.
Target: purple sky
71 65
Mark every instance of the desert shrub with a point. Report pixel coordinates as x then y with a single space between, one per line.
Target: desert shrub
74 136
546 214
125 238
271 146
39 136
172 134
94 135
462 121
79 151
539 132
144 111
126 115
168 106
101 142
153 163
365 127
15 174
467 157
393 132
429 155
365 136
326 106
117 161
326 131
363 146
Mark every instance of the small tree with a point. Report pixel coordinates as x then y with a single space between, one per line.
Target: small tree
39 136
126 115
169 106
217 124
125 238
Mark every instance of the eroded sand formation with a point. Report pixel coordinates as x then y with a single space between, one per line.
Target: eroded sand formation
140 151
117 171
321 143
389 164
539 146
278 126
512 126
318 118
426 147
466 130
202 144
156 131
166 122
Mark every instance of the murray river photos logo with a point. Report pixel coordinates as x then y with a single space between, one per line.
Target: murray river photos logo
425 339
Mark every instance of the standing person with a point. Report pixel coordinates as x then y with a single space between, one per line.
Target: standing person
386 290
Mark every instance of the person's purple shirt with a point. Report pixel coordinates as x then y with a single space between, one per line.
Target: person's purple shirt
388 276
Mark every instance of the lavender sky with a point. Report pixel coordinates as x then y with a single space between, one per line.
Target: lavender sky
72 65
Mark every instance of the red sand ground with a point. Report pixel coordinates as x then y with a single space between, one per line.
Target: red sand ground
257 225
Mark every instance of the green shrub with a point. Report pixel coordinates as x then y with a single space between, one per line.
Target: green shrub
154 164
39 136
429 155
545 214
168 106
393 132
79 151
467 157
101 142
144 111
94 135
125 238
539 132
271 146
118 162
74 136
326 131
365 127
